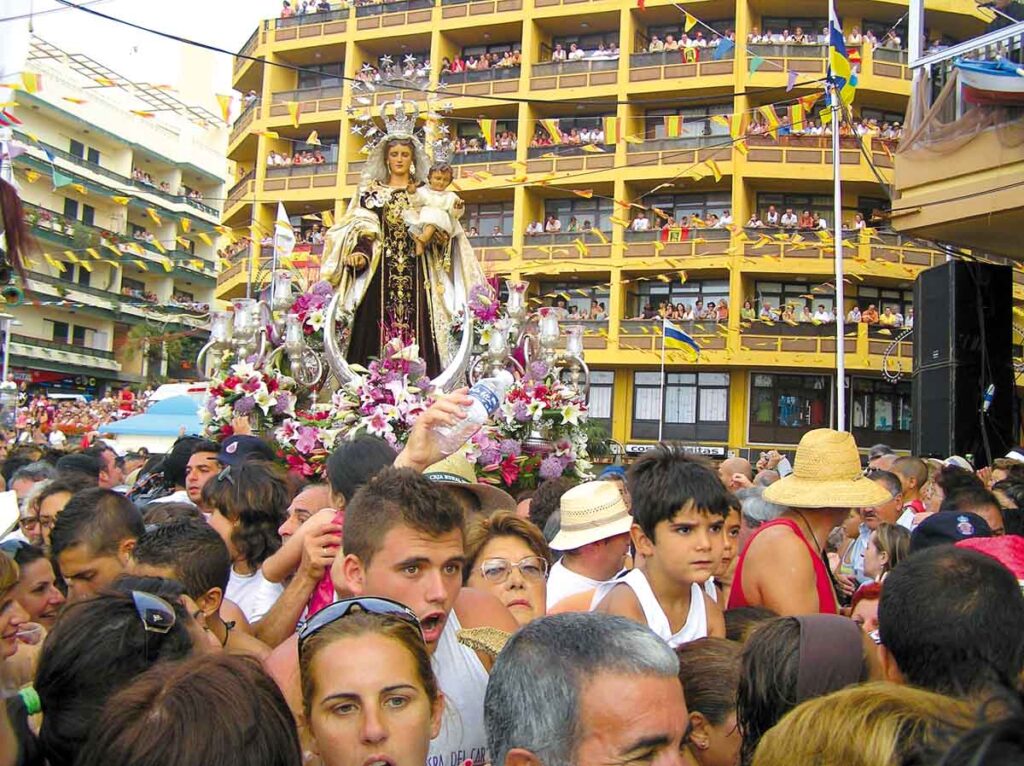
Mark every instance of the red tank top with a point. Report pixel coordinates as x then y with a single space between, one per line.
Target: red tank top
826 596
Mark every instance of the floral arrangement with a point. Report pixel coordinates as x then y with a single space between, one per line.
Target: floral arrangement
305 442
311 309
484 305
265 397
538 434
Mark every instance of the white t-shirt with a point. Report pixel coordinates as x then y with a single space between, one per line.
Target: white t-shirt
563 582
463 679
696 625
253 593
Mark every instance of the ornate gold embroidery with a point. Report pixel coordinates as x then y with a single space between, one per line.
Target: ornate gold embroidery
398 253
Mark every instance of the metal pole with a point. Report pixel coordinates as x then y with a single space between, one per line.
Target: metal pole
661 391
7 343
837 238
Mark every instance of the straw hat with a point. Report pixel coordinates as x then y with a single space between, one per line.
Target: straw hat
827 474
590 512
457 471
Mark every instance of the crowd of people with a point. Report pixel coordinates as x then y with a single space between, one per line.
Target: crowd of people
142 177
54 421
865 127
508 59
304 7
890 39
208 606
574 52
581 136
504 141
685 42
303 157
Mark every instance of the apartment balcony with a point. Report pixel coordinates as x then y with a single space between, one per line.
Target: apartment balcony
247 73
392 15
469 165
310 100
308 26
323 176
673 65
243 188
567 246
495 81
42 353
645 335
592 73
693 243
492 250
471 9
243 120
567 158
687 151
958 172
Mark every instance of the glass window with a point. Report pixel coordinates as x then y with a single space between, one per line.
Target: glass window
602 389
688 293
322 75
697 121
898 300
84 277
476 50
577 297
810 26
93 155
587 42
77 148
71 209
685 205
795 294
881 28
695 406
881 115
880 412
59 331
597 211
88 214
485 217
785 407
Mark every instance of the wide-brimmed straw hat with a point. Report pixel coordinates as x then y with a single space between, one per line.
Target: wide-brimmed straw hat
456 471
590 512
827 474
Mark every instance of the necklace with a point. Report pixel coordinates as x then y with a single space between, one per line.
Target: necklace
810 529
836 590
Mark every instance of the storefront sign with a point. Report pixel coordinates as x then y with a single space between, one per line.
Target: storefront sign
693 449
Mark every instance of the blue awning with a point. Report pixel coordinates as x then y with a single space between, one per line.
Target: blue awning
164 418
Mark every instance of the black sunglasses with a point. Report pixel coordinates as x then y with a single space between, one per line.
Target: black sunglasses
342 609
156 614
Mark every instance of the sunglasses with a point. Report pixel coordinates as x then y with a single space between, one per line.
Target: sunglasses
339 610
156 614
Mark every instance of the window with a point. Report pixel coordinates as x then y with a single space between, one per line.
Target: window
687 293
322 75
816 203
695 406
486 216
574 294
88 214
881 116
599 402
785 407
782 294
597 211
84 277
476 50
59 331
93 156
880 412
680 205
77 148
71 209
587 42
697 121
469 130
810 26
133 285
722 26
881 28
898 300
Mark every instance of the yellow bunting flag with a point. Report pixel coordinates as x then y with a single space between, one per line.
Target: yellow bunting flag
600 235
112 248
581 247
768 112
205 238
183 242
158 245
487 130
141 264
807 102
673 126
54 263
197 264
551 126
690 22
223 230
887 150
85 265
31 82
80 188
121 200
619 221
585 193
70 255
713 167
167 264
313 139
293 112
142 113
328 218
32 176
154 216
633 140
224 100
612 130
269 134
71 100
592 149
105 82
797 117
94 253
186 225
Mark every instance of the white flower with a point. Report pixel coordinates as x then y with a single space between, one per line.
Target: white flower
205 416
264 400
243 369
571 414
223 412
317 319
535 409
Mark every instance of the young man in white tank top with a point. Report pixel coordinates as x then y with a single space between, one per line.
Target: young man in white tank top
679 511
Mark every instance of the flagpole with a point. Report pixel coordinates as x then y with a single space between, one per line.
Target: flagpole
837 240
661 390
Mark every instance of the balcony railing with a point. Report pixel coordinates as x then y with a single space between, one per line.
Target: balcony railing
240 184
552 68
504 240
890 55
481 75
681 143
566 150
469 158
379 9
788 50
291 171
656 235
319 17
57 346
249 46
244 119
307 94
666 58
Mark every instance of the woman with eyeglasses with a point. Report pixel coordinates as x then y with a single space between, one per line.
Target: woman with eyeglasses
36 591
369 694
509 557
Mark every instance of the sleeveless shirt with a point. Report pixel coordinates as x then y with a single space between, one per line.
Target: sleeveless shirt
696 625
463 680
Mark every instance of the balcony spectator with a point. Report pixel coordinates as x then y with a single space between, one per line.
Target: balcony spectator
887 319
576 53
870 39
534 229
785 129
552 225
789 219
869 315
670 44
613 50
768 314
472 232
858 222
892 41
897 318
286 10
820 223
807 221
823 38
908 323
726 219
754 36
598 313
574 312
656 45
771 218
747 313
587 226
699 41
723 311
854 315
788 315
641 222
458 65
854 38
822 315
558 54
573 138
755 222
573 226
713 222
806 317
497 232
446 65
323 6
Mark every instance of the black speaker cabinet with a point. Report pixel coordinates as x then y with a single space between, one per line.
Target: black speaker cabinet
962 344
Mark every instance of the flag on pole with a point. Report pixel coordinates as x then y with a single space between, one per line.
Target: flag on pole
284 236
487 128
673 336
551 126
673 126
839 71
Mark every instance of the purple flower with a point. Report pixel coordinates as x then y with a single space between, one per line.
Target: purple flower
510 447
537 370
307 439
323 289
489 456
551 467
520 413
245 405
567 461
281 404
211 405
483 302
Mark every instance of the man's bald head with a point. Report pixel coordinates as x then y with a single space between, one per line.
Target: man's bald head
732 466
884 462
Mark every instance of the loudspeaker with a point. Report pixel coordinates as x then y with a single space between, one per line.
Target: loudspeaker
963 329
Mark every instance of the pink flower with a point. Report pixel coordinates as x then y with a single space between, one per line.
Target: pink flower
307 440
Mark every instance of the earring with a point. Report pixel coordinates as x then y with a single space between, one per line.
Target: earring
412 169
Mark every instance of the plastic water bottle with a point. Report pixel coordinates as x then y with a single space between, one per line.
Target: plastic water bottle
486 395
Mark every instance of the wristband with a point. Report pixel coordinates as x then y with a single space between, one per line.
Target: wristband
30 698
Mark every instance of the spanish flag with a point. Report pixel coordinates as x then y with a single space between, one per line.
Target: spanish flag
487 128
551 126
673 126
674 337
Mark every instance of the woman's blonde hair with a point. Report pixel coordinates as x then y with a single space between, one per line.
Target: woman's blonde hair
876 724
8 574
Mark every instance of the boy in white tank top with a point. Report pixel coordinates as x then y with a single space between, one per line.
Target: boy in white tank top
679 511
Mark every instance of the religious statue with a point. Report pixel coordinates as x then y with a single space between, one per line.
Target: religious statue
401 265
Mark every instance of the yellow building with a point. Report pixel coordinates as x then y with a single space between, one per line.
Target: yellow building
121 184
757 384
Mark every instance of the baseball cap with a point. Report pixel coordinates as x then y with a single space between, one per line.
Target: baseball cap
237 449
946 528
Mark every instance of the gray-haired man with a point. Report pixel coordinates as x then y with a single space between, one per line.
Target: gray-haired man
585 688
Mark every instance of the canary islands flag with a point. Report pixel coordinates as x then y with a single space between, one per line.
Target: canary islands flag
673 336
840 70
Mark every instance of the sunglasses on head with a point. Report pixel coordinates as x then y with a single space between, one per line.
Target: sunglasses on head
156 614
349 606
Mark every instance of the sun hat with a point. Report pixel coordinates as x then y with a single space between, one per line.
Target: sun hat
955 461
827 474
590 512
1017 453
456 471
946 528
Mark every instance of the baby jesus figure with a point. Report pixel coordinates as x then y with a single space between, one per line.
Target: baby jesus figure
433 207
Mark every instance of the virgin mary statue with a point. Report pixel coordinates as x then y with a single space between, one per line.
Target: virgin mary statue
383 288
